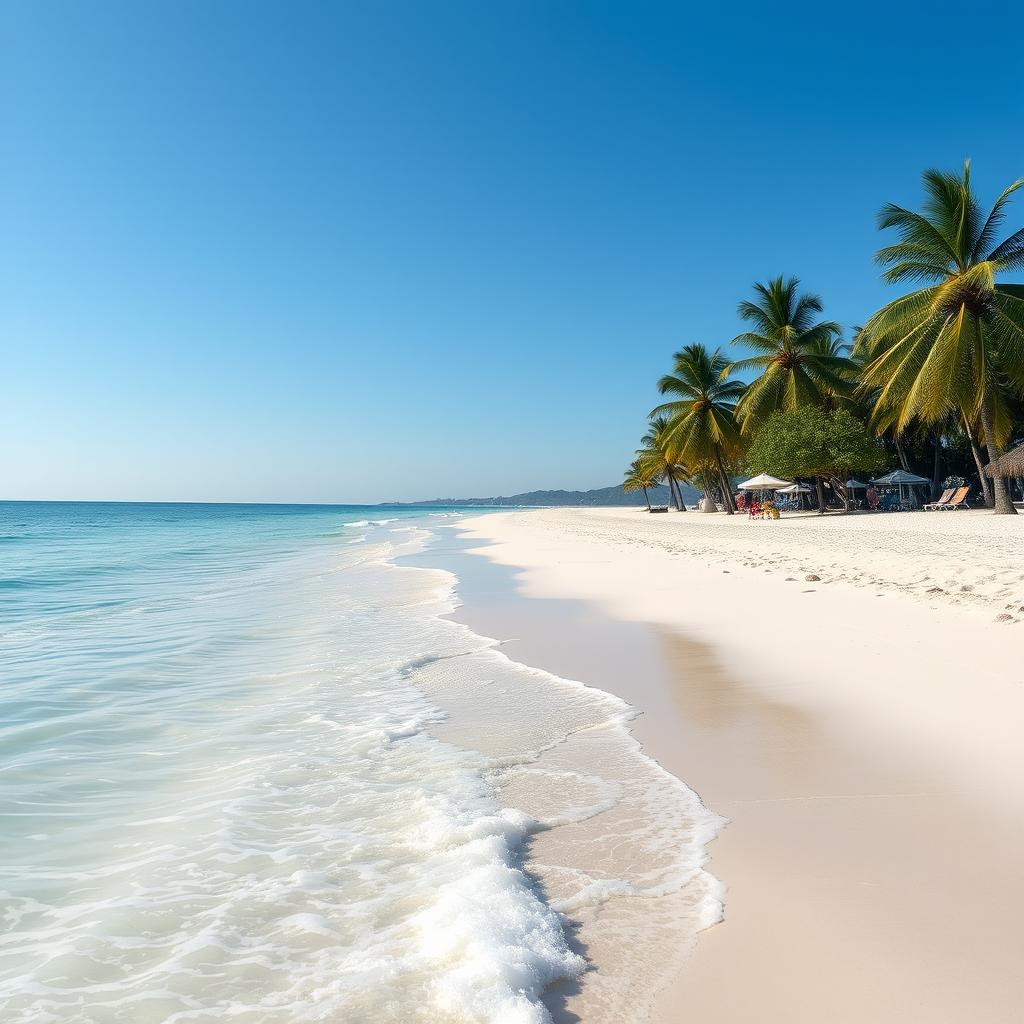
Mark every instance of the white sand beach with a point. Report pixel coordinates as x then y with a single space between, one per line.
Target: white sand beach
849 692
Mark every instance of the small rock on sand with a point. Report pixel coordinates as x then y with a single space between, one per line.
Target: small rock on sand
812 578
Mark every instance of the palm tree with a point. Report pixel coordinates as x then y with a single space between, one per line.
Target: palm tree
639 478
956 345
702 428
801 360
655 457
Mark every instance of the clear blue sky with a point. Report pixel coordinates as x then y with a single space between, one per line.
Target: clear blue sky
342 252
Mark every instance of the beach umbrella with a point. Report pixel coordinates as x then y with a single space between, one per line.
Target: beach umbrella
1011 464
855 485
901 478
764 482
795 490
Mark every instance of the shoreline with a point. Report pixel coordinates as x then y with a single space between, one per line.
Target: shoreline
865 752
556 637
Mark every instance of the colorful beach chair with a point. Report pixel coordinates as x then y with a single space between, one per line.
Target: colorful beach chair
959 500
944 500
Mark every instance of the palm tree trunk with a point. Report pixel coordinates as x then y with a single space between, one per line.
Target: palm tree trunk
682 500
646 498
818 483
986 489
937 465
902 454
673 498
723 480
1003 504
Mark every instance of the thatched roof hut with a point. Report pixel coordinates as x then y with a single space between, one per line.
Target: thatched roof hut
1010 464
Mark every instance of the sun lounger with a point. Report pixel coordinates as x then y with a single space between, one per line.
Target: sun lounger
959 500
944 500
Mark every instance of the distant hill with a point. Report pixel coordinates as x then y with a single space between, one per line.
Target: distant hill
599 496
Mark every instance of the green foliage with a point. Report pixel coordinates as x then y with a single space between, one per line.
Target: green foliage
701 425
800 358
957 344
933 373
811 441
655 459
639 476
656 462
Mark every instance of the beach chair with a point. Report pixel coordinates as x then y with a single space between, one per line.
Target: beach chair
959 500
946 495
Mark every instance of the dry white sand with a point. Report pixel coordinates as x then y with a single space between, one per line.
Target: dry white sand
862 730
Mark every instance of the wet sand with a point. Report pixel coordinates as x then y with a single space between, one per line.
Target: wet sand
575 640
872 859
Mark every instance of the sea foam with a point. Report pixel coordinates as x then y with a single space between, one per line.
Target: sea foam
294 790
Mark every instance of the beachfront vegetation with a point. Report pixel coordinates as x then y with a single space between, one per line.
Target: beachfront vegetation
701 429
639 478
658 462
957 343
938 372
816 442
799 361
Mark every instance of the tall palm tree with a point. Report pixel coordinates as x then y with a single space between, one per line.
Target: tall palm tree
655 456
958 343
863 402
800 359
639 478
702 429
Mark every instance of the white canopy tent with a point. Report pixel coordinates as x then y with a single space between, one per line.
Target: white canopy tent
764 482
796 489
901 478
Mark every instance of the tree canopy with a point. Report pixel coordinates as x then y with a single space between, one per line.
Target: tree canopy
701 430
812 441
958 343
800 362
936 374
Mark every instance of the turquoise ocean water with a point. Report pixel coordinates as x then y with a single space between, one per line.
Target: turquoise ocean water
225 788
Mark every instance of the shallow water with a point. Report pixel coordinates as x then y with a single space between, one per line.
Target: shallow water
250 771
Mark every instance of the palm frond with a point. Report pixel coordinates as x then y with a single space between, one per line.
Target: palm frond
995 218
918 232
1009 254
